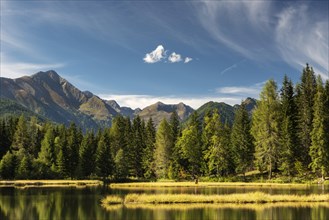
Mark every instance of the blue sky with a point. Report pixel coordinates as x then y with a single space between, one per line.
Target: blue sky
140 52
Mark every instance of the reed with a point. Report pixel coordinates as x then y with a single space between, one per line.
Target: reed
245 198
204 184
55 183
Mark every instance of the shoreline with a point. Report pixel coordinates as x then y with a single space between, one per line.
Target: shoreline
47 183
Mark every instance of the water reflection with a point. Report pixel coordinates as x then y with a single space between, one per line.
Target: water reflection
84 203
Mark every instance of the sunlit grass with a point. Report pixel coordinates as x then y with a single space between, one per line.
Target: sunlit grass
188 206
53 183
204 184
245 198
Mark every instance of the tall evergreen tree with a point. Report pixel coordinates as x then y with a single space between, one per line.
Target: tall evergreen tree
242 140
163 151
190 145
73 148
47 152
175 164
266 128
104 160
148 152
120 137
289 139
35 137
21 137
87 155
8 166
305 100
137 147
319 146
62 152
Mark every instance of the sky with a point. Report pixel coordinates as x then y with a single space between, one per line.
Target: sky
141 52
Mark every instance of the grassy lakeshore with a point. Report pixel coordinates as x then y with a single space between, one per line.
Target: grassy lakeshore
188 206
249 198
54 183
204 184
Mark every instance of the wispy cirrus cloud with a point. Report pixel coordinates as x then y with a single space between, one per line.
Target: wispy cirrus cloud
241 91
19 69
303 40
289 32
142 101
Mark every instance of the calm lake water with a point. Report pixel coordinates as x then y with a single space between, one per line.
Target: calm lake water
84 203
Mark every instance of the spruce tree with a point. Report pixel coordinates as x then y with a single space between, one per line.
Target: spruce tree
104 161
148 152
175 164
266 128
73 148
137 147
47 152
87 155
289 139
21 137
319 144
305 100
8 166
163 151
190 145
242 140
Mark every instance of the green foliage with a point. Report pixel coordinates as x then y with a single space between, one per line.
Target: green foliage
8 166
163 151
319 146
104 161
266 128
87 155
289 139
305 100
242 140
148 152
47 152
190 145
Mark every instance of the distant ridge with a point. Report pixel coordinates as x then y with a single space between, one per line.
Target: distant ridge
48 95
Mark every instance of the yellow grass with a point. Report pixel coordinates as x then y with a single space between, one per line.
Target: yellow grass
254 197
251 206
54 183
203 184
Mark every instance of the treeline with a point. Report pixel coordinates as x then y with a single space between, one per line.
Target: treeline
288 134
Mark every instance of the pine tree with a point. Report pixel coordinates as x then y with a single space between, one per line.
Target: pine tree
163 151
137 147
87 155
266 128
35 137
289 139
21 137
62 152
47 153
305 101
319 145
73 148
175 164
25 167
5 141
242 140
120 137
190 145
104 161
148 153
8 166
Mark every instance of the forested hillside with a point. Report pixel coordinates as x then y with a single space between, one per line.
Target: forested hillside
287 136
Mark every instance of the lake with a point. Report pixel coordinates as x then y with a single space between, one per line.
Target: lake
84 203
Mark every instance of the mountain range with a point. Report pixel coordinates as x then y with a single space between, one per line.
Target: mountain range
50 96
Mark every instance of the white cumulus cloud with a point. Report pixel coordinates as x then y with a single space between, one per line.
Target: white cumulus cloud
188 59
156 55
174 58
